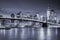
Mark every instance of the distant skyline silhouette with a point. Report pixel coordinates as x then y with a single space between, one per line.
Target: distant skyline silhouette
29 6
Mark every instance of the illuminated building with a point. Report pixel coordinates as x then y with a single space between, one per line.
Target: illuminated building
51 15
12 16
42 18
37 16
19 14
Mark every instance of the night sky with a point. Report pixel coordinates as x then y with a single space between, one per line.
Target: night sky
14 6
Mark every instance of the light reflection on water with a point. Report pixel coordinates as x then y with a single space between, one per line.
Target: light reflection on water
41 33
29 34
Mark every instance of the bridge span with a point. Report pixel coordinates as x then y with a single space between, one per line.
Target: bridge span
24 19
44 23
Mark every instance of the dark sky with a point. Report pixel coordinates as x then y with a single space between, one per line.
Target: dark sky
30 6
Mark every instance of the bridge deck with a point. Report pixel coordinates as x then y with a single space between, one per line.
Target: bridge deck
24 19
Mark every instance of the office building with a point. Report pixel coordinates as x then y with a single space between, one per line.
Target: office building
51 15
42 18
12 15
59 22
19 15
1 16
37 16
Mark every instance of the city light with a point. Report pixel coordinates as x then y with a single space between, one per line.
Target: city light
19 19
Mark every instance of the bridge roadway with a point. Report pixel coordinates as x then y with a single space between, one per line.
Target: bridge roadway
24 19
29 19
33 20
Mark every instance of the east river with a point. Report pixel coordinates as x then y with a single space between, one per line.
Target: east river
30 34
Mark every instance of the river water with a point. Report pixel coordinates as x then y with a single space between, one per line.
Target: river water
30 34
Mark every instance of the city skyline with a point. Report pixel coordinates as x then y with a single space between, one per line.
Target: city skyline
29 20
30 6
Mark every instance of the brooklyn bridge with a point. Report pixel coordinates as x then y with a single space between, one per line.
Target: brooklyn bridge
24 22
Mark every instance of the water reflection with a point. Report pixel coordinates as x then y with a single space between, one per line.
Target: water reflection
30 34
41 34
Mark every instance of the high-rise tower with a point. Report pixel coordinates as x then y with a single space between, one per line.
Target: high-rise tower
48 13
51 15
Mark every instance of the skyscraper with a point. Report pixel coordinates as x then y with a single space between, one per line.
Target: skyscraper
51 15
48 13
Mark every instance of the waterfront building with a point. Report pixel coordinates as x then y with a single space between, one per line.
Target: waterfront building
31 16
48 13
37 16
24 16
28 14
1 16
42 18
51 15
19 15
12 16
59 22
